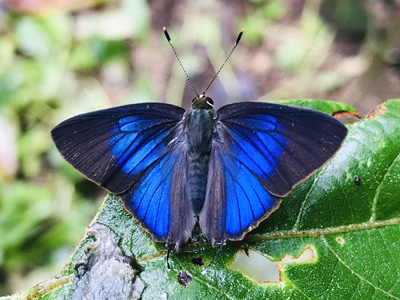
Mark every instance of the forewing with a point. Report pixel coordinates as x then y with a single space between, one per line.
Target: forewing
114 147
260 152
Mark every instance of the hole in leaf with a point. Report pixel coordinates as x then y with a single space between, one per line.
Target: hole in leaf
261 269
346 117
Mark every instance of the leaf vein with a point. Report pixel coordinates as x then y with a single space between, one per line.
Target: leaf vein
377 288
378 189
300 214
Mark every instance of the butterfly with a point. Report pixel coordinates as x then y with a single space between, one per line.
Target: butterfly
226 169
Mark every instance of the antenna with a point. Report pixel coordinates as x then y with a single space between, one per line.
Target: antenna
180 63
226 59
216 74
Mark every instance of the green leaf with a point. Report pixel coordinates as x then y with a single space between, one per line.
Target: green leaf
326 106
351 230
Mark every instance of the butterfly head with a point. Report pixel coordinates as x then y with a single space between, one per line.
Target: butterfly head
202 102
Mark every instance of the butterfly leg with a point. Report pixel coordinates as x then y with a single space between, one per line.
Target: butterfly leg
169 249
215 257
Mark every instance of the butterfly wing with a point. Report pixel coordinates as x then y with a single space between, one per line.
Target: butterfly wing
160 199
113 147
135 151
260 152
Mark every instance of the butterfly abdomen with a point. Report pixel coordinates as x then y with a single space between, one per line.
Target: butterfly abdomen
198 136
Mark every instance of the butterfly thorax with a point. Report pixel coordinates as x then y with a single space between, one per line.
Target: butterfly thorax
199 130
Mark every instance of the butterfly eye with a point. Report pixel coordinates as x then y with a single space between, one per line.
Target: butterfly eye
210 101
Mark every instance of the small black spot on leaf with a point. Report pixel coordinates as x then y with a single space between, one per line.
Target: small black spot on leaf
184 278
197 261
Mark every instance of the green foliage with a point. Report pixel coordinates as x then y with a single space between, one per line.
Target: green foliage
351 229
43 213
62 62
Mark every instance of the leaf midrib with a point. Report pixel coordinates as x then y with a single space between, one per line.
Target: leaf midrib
281 235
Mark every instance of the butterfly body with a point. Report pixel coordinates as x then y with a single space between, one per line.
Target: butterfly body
199 130
226 169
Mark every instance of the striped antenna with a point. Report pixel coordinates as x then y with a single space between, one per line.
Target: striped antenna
180 63
226 59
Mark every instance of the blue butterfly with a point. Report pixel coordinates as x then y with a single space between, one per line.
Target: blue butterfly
227 169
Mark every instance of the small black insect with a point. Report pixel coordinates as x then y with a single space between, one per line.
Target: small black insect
357 180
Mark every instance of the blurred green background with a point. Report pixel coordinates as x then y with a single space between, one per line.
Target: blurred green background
59 58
